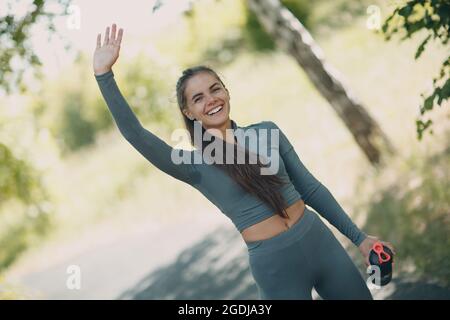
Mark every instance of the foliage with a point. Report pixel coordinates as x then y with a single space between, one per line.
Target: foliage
231 29
16 56
256 36
74 111
414 214
25 213
431 17
71 107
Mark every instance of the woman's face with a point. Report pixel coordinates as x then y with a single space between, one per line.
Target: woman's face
205 94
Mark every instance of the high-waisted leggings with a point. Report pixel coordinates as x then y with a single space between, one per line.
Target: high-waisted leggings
308 255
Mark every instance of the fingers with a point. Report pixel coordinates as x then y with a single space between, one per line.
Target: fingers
99 41
119 37
390 246
115 38
112 39
106 40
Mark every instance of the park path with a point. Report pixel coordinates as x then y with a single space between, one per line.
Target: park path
195 258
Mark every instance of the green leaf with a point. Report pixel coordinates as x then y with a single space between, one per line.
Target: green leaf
444 92
421 127
421 48
405 11
428 103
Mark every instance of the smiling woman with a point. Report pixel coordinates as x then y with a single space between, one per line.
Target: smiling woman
200 92
207 100
290 248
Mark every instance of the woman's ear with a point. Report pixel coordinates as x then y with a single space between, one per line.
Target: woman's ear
188 114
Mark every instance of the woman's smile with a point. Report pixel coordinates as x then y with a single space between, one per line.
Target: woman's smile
215 110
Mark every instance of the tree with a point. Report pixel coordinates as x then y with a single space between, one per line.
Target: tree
433 17
16 55
289 33
21 185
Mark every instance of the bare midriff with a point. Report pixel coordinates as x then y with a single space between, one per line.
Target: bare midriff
274 225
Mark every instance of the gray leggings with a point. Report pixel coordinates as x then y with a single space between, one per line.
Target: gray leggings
288 265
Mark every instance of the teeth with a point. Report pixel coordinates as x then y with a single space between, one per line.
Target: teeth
215 110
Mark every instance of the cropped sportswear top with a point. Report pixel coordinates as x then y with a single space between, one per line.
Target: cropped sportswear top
241 207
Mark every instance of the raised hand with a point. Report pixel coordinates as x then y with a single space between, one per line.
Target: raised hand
106 55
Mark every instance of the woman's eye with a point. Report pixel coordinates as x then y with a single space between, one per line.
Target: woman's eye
200 98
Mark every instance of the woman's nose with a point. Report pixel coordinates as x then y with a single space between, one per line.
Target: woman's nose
209 99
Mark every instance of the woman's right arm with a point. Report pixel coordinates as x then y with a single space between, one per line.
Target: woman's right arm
155 150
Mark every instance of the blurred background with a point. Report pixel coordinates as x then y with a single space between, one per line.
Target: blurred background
359 87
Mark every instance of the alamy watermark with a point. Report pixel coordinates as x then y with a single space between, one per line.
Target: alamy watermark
73 21
73 281
258 147
374 280
374 20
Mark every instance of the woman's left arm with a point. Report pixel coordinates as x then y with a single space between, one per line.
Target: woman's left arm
315 194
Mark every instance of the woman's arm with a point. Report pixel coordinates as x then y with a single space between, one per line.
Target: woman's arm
314 193
149 145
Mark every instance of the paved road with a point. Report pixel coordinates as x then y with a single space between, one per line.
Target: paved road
196 259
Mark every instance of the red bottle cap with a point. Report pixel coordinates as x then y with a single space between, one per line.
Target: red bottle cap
383 256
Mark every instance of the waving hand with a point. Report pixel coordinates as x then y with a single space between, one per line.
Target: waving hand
106 54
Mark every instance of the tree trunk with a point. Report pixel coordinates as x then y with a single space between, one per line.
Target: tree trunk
288 33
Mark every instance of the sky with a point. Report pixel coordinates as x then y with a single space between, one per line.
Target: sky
88 18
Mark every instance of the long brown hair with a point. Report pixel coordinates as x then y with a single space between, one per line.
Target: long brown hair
247 175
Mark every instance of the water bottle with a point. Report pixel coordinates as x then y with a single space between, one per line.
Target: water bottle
382 257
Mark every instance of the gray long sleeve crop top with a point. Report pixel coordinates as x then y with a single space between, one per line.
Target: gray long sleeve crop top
241 207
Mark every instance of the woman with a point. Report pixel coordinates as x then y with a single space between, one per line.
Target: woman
290 249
